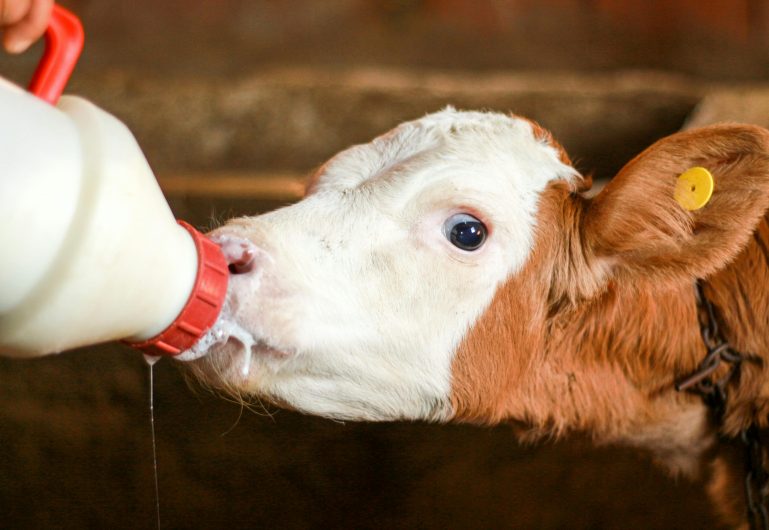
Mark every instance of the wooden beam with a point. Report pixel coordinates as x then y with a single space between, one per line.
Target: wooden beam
237 185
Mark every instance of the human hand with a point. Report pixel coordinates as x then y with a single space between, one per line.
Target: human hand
23 22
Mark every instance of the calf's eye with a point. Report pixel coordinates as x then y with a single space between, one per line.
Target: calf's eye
465 231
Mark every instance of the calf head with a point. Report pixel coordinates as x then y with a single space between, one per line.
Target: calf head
451 269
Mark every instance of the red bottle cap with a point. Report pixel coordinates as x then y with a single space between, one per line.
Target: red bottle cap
203 306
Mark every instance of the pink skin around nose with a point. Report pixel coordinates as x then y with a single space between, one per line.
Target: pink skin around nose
239 253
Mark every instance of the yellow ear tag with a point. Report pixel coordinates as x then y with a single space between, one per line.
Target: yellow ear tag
694 188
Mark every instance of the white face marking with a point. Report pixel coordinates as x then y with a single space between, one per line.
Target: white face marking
358 301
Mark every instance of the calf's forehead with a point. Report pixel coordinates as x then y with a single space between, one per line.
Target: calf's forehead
408 182
477 149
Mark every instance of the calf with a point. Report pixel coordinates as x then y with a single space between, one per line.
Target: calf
453 270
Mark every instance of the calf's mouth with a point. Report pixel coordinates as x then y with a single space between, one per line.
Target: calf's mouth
227 350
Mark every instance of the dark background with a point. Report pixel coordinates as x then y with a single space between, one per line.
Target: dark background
263 91
725 39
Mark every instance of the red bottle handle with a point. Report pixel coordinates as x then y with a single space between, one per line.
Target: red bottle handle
63 44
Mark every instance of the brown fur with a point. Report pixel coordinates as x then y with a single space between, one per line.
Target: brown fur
546 137
595 329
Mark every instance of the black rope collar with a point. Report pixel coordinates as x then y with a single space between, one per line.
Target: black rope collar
714 392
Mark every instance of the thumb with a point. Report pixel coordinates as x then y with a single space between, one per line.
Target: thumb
21 33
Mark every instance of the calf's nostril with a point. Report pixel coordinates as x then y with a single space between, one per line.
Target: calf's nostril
239 253
242 264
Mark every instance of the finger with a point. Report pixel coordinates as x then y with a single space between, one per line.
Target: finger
19 36
12 12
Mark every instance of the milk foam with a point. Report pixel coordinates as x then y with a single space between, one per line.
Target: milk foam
226 327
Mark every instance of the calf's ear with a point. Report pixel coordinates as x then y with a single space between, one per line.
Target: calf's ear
635 225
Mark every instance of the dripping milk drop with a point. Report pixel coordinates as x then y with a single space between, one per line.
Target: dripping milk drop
151 364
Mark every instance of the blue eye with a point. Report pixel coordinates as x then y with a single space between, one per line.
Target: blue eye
465 231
